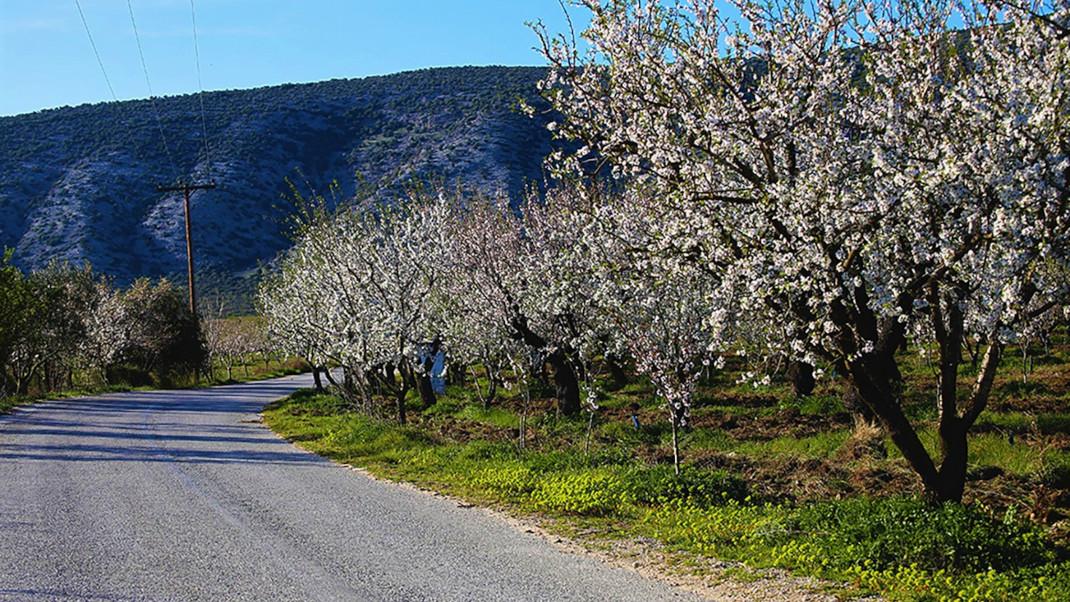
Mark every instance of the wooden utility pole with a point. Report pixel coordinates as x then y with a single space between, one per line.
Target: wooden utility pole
187 188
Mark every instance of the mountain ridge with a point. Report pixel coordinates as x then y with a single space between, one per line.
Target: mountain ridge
78 183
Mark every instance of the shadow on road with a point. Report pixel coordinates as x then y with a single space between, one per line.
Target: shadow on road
190 426
98 453
52 594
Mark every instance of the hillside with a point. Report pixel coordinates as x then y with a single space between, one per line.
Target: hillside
78 183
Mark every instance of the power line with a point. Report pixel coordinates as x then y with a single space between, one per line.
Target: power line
200 88
152 97
186 187
96 53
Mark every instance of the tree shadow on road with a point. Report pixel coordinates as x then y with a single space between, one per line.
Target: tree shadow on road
196 425
106 453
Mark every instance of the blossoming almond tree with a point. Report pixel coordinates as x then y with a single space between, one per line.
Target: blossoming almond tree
108 330
474 303
850 169
232 341
665 313
357 288
559 297
398 253
296 304
507 281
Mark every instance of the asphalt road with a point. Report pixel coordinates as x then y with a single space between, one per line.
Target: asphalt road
183 495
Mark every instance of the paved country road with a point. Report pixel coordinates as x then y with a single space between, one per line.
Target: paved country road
182 495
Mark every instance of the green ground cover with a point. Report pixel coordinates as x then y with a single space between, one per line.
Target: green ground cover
768 480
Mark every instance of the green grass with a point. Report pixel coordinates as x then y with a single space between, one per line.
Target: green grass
815 405
817 447
992 449
1020 422
996 449
898 546
493 416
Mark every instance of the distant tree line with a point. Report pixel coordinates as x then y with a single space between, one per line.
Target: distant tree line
233 342
65 327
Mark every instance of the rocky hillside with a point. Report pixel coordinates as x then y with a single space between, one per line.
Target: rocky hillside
78 183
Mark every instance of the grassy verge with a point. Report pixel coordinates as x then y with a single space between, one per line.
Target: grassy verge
893 545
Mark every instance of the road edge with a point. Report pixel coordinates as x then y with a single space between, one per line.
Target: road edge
708 578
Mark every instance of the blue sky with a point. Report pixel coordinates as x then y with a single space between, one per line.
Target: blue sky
46 60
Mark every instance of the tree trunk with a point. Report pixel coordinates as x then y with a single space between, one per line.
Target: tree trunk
401 387
852 401
330 378
426 390
616 372
952 476
869 376
455 373
399 401
566 385
877 380
801 375
22 383
347 380
949 327
973 348
492 391
316 378
1027 364
587 435
675 442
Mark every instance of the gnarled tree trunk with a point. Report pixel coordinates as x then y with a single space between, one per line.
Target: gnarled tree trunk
566 383
801 375
875 375
617 375
426 389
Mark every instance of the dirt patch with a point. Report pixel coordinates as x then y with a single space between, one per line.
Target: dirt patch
763 427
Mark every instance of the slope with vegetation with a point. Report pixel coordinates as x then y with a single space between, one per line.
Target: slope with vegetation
77 183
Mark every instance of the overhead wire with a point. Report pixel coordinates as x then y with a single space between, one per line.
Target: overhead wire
148 83
96 52
200 94
152 97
